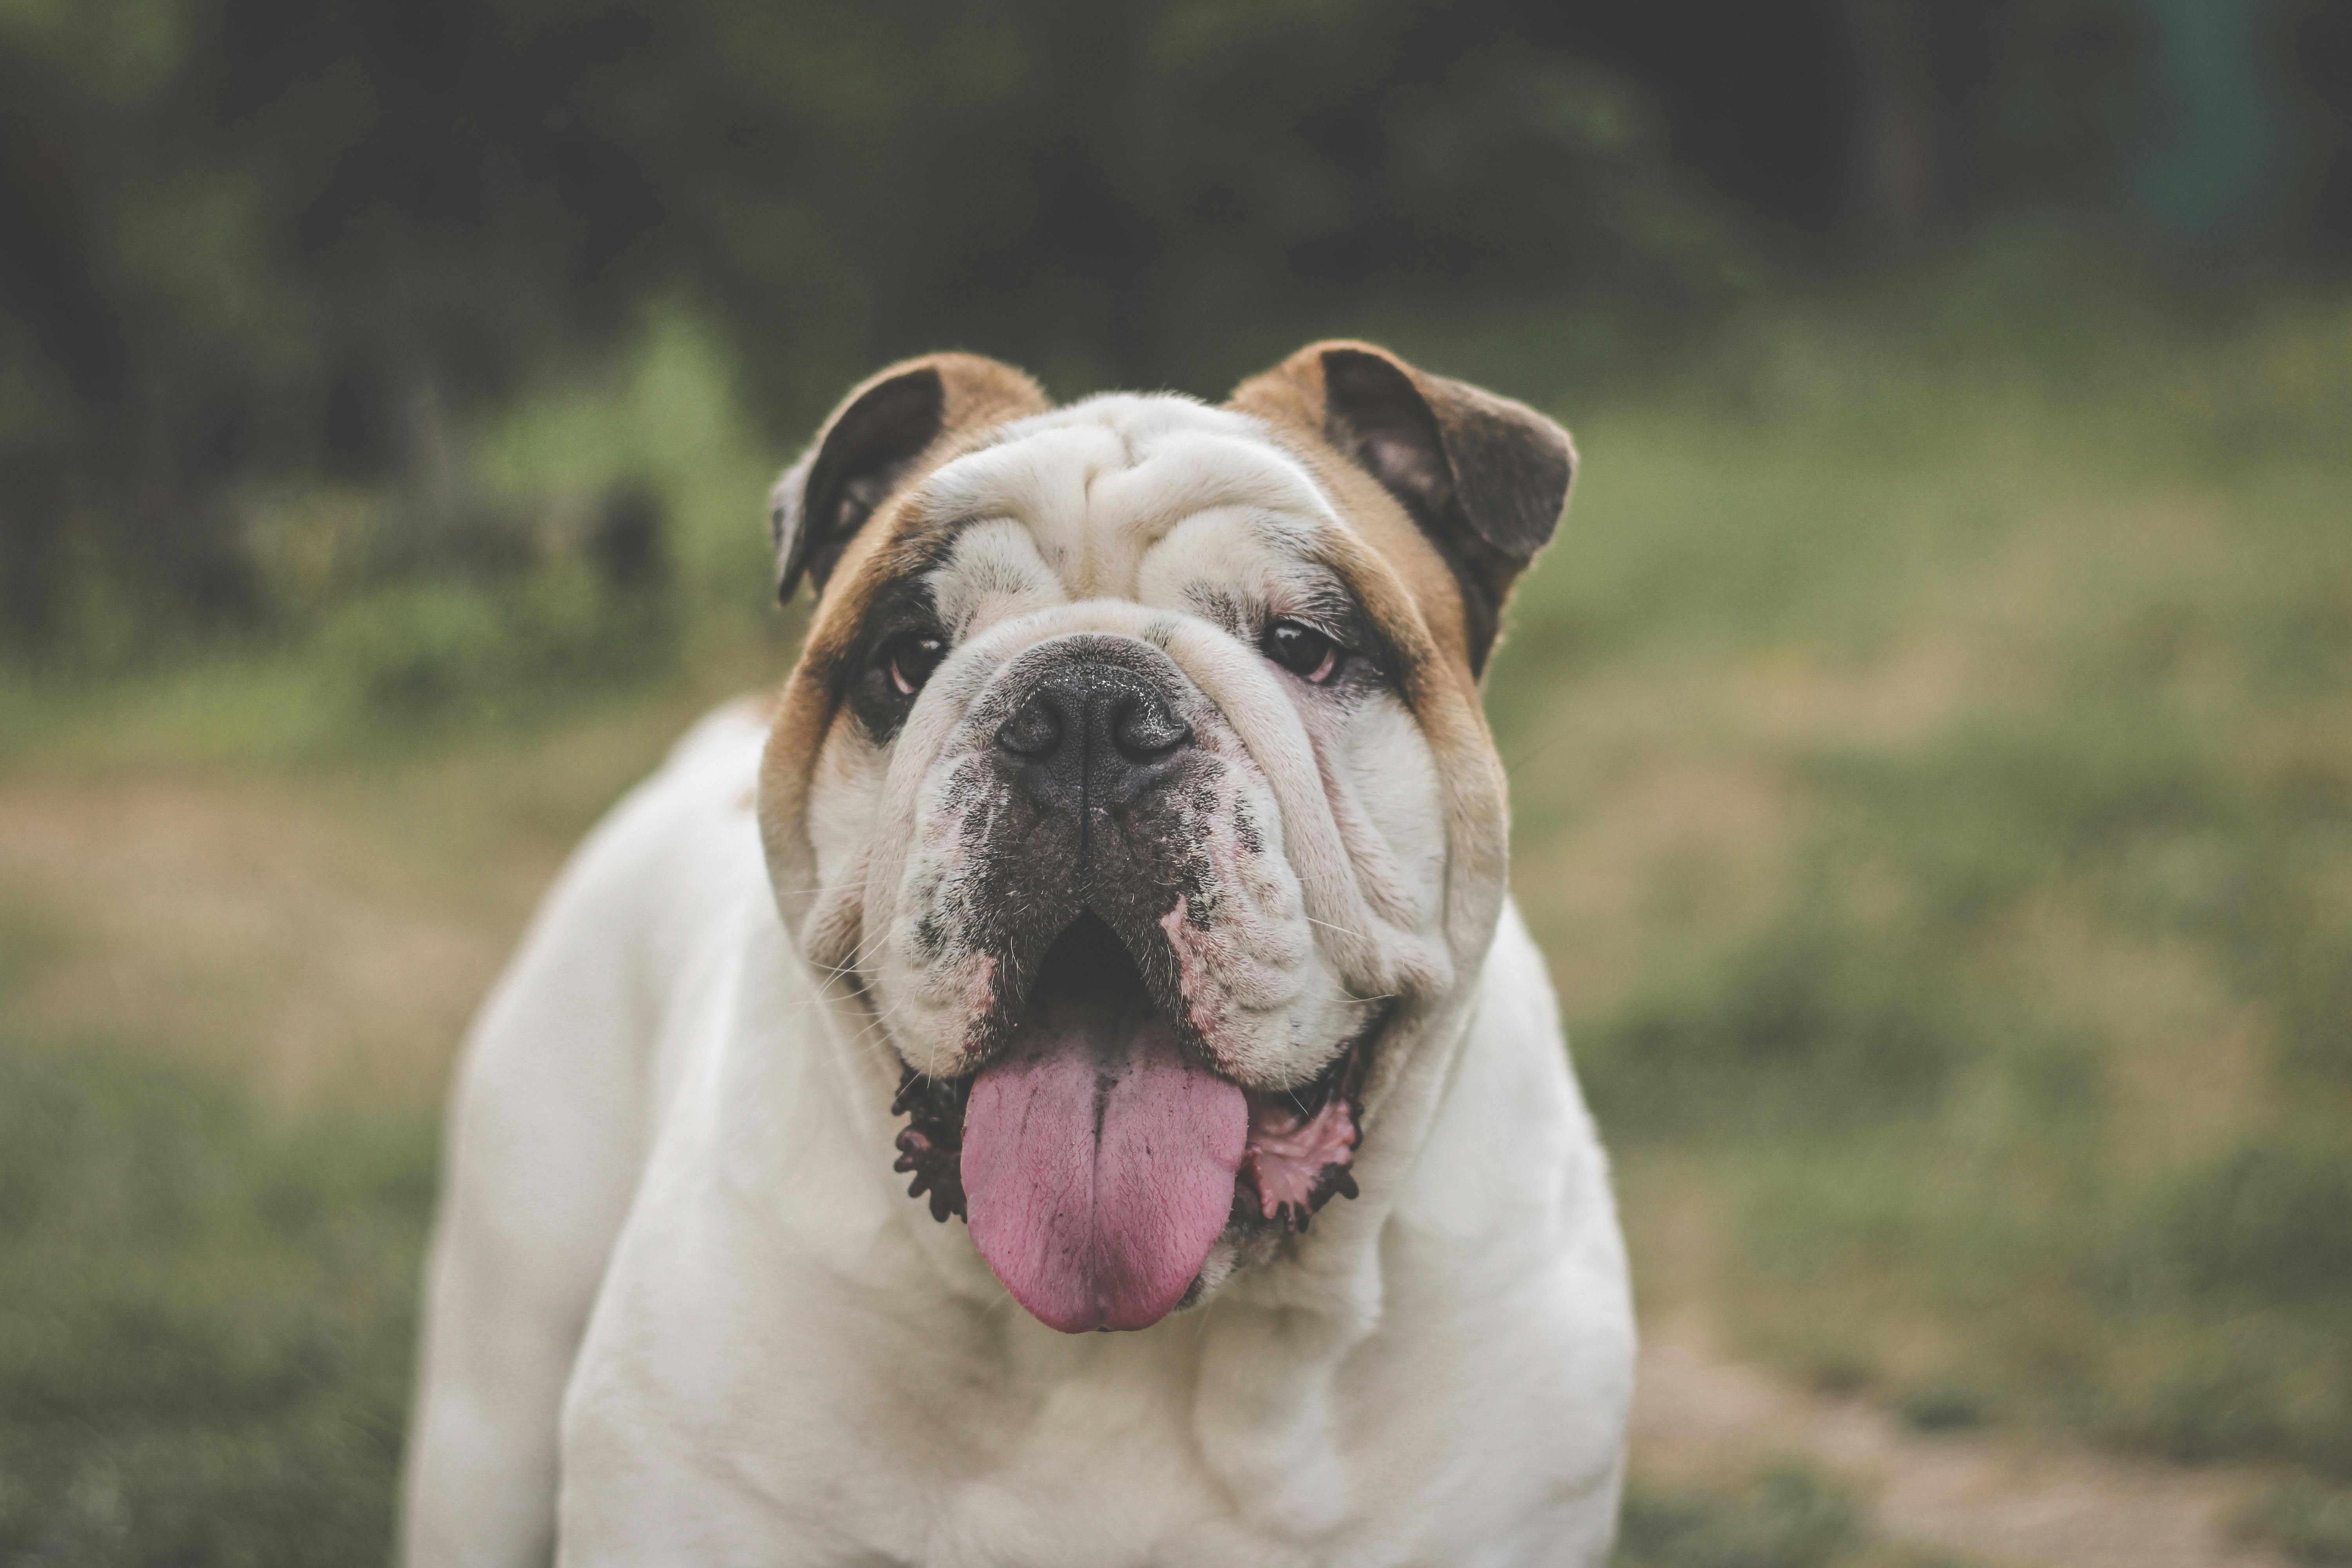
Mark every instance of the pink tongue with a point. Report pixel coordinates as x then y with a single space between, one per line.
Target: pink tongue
1098 1167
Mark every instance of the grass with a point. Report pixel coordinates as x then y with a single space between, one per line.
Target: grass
1940 815
205 1320
1931 747
2313 1524
1787 1517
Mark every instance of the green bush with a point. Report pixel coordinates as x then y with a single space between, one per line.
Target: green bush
437 651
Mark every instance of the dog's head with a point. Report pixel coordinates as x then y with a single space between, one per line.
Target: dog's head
1133 784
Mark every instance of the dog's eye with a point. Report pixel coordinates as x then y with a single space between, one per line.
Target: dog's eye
911 660
1302 650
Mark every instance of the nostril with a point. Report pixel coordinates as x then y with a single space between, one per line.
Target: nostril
1033 731
1145 729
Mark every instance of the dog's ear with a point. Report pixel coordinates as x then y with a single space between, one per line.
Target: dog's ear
1484 477
873 443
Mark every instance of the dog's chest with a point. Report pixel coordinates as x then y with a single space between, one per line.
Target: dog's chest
834 1405
948 1461
1104 1473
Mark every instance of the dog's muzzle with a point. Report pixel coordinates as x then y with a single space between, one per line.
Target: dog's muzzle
1097 1148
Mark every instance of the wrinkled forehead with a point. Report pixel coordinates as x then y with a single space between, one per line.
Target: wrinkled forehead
1099 484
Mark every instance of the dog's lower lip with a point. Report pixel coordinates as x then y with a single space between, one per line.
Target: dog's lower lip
1303 1145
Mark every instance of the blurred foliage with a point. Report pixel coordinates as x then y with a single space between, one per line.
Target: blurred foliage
249 241
440 650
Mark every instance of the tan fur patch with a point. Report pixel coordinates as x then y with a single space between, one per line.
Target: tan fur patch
980 397
1290 398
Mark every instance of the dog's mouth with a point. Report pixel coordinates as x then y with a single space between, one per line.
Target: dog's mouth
1097 1156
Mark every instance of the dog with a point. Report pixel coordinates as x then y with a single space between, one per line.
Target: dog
1064 1084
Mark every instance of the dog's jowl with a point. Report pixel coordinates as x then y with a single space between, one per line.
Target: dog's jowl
1063 1083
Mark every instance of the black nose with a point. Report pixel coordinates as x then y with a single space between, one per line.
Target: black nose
1093 731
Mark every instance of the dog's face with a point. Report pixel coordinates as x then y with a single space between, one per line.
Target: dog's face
1133 784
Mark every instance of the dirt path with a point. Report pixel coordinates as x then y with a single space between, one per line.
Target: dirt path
199 928
1699 1417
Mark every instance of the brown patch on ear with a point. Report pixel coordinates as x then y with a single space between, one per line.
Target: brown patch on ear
873 443
894 428
1483 478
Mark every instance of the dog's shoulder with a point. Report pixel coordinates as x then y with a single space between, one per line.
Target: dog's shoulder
700 801
678 851
727 738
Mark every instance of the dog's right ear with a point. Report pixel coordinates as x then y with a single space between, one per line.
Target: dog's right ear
874 443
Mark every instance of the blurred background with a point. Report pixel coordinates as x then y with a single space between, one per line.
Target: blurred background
1931 737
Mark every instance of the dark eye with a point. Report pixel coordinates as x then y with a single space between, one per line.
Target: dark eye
911 660
1302 650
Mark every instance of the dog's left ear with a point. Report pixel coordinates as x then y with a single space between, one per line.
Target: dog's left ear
874 443
1484 477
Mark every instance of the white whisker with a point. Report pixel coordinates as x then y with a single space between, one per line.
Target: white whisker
1343 931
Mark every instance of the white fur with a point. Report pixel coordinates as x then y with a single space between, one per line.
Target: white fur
671 1212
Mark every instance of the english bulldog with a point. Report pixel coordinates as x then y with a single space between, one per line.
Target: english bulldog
1064 1084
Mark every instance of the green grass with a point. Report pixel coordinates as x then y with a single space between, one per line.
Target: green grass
205 1320
1788 1518
2312 1524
